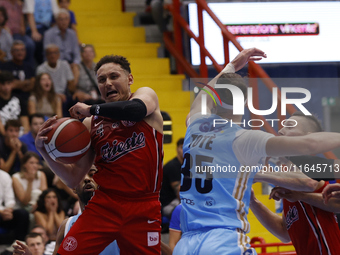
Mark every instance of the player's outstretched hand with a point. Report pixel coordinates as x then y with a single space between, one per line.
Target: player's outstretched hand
44 129
21 248
80 111
247 55
331 190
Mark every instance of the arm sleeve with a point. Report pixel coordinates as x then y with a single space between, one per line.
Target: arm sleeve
55 7
133 110
6 182
28 6
250 146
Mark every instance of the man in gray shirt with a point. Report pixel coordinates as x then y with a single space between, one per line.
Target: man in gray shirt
67 41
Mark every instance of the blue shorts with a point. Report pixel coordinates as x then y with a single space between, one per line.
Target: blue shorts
215 241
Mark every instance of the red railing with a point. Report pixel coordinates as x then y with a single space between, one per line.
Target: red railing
263 245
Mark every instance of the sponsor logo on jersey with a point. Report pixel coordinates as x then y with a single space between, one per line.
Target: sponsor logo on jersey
128 123
187 201
153 238
209 201
291 216
117 149
70 244
115 125
100 130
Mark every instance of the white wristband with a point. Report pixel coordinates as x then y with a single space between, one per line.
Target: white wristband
229 68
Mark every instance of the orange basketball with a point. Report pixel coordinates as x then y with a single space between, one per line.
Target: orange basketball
68 141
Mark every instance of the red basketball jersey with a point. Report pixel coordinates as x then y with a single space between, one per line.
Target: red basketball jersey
129 157
311 229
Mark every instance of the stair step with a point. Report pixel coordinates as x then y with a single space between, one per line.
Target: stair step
95 19
132 50
112 35
149 66
168 99
159 83
98 5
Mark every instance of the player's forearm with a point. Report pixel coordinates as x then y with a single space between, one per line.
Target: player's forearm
315 199
271 221
70 174
31 22
289 180
9 162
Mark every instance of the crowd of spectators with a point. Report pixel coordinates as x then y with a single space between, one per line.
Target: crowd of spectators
44 70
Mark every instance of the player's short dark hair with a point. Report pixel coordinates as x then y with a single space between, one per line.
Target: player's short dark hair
233 79
32 235
117 59
6 76
12 123
180 142
316 124
35 115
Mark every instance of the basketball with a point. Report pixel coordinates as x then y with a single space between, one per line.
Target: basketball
68 140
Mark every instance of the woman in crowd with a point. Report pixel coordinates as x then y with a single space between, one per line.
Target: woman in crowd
43 99
49 212
29 182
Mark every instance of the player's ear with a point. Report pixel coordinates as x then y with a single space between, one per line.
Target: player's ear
130 78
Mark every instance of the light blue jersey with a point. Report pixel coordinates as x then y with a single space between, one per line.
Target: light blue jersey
215 191
111 249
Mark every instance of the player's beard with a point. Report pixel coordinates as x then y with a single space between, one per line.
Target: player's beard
85 197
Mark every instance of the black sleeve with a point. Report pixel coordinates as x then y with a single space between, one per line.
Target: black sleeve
315 167
133 110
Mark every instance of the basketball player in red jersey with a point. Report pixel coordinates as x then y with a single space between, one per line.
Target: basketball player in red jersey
306 221
126 134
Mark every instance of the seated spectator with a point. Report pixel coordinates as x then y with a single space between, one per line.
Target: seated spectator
66 39
10 106
87 87
34 245
15 24
43 99
23 72
15 220
49 213
12 149
6 38
29 182
65 4
61 75
36 120
49 246
175 232
39 18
